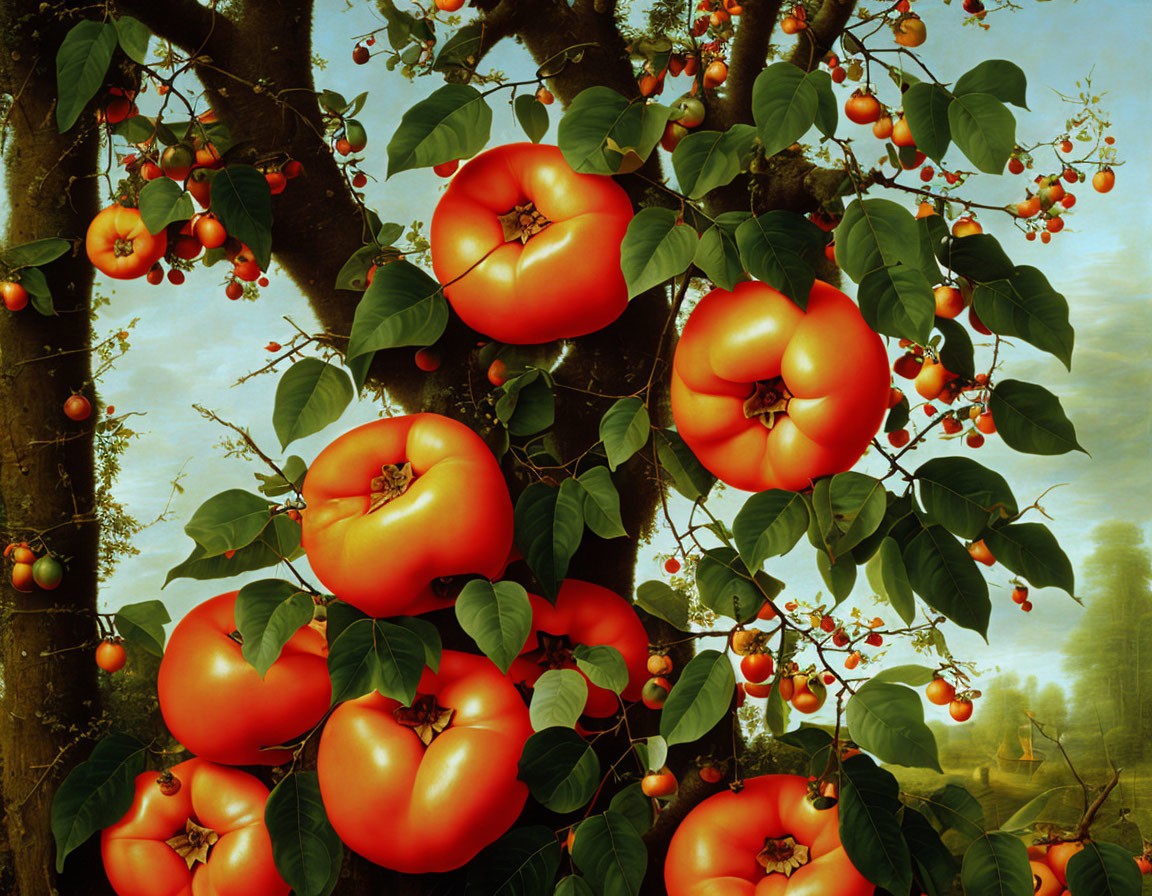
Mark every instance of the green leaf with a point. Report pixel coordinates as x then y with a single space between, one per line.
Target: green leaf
549 523
963 496
979 257
897 416
560 768
926 111
523 862
601 503
718 256
354 274
428 634
1026 305
242 201
934 861
33 280
956 354
604 666
1031 550
532 115
955 808
828 109
276 543
898 301
374 655
997 865
1030 419
689 476
603 132
781 248
36 253
526 404
97 792
402 306
664 602
133 36
1002 79
81 63
699 699
1024 817
785 103
453 123
655 249
655 753
464 48
769 525
228 521
273 484
624 430
558 699
916 676
705 160
869 829
310 395
163 201
268 613
726 586
142 625
633 805
573 885
839 574
848 508
498 617
887 720
611 854
984 130
1103 869
879 233
945 575
305 847
887 575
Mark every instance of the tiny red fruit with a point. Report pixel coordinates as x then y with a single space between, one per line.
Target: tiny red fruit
233 290
77 408
672 566
756 667
427 359
446 169
15 296
360 55
111 656
497 373
960 709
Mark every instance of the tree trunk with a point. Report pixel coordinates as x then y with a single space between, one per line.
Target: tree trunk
50 702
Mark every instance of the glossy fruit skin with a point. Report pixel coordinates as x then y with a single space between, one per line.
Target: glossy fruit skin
228 801
14 295
565 281
960 710
215 703
754 333
714 849
1044 881
1103 180
111 656
455 518
863 109
940 692
659 784
1059 855
22 579
139 249
756 667
77 408
210 232
47 573
591 615
655 692
419 809
659 664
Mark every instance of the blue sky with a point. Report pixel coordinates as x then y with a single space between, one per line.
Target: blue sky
192 344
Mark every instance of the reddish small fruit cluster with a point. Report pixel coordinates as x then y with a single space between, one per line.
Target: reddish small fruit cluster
943 693
45 572
1020 596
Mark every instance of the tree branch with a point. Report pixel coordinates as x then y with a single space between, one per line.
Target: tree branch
816 40
186 23
749 52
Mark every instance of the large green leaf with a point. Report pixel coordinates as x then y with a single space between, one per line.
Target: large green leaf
782 248
374 655
1031 550
655 249
35 253
956 354
1025 305
664 602
1103 869
1030 419
268 613
611 854
497 616
926 111
305 847
402 306
558 699
887 720
624 430
523 862
1002 79
699 699
228 521
603 132
997 865
526 404
847 509
705 160
933 860
96 793
81 63
769 525
944 574
601 503
549 523
897 301
133 36
964 496
560 768
242 200
310 395
718 256
984 130
532 115
869 829
142 625
879 233
453 123
275 544
887 575
785 103
726 585
689 476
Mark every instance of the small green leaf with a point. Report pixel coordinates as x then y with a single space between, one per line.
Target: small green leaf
133 36
526 404
1002 79
624 430
997 865
163 201
1031 550
242 200
726 585
601 503
268 613
897 301
498 617
142 625
689 476
916 676
560 768
1026 305
453 123
926 111
1030 419
633 805
782 248
81 63
664 602
228 521
604 665
879 233
310 395
374 655
718 256
655 249
532 115
549 524
558 699
705 160
35 253
402 306
275 544
611 854
769 525
785 103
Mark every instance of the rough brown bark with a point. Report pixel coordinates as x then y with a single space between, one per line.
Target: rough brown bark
50 700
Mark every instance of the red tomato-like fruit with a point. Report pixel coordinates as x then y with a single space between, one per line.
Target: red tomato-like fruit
396 504
551 270
227 802
14 295
863 108
808 694
1059 855
425 788
23 581
428 359
711 774
949 301
980 553
584 614
233 290
77 408
217 705
111 656
767 839
672 566
960 709
769 396
756 667
659 784
1103 180
940 692
446 169
119 244
210 232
